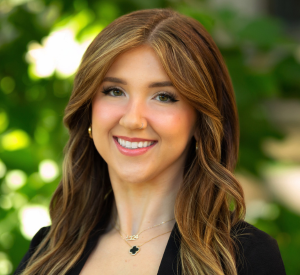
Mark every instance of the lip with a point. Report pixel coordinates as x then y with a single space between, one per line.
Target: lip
133 152
133 139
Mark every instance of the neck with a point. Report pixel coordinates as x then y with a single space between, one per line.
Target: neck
138 208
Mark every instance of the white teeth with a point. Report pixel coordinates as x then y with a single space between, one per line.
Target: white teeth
134 145
141 144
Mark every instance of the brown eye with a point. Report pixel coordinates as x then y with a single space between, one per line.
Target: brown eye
164 97
167 97
116 92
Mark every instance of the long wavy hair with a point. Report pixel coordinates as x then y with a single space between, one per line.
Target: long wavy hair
210 200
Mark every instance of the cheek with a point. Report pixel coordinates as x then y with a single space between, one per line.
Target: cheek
104 117
176 125
104 114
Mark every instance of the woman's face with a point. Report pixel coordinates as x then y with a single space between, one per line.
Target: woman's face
136 91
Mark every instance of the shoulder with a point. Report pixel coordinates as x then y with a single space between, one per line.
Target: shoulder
36 240
39 236
247 234
257 252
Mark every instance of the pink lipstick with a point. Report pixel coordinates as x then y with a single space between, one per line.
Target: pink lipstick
133 151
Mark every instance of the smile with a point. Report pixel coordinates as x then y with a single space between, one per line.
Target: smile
133 148
134 145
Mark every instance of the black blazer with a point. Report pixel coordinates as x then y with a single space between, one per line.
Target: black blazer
258 252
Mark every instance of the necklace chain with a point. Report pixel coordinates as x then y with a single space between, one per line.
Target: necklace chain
144 242
136 236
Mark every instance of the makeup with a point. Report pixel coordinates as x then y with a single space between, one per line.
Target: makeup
133 152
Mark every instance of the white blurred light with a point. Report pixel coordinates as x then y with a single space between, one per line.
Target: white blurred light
15 179
32 219
48 170
43 62
261 209
5 264
284 182
2 169
59 51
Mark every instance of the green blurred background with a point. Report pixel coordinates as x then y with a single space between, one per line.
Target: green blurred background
41 44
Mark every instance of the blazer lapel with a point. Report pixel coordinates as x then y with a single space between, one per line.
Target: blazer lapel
171 255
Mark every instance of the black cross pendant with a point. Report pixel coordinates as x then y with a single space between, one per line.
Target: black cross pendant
134 250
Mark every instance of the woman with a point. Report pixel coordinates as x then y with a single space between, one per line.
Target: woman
148 168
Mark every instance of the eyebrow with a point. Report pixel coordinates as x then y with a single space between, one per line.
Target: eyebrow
152 85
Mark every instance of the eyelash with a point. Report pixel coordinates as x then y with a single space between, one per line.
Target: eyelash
172 96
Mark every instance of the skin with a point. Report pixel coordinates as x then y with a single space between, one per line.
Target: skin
145 186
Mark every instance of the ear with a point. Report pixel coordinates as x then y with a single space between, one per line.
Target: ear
196 135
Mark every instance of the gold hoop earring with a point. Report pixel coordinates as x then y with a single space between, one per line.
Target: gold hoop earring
90 132
196 146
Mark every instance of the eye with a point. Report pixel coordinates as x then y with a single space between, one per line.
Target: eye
167 97
115 91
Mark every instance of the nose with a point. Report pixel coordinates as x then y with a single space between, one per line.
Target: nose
132 118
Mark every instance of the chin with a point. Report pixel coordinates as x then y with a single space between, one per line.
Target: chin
134 177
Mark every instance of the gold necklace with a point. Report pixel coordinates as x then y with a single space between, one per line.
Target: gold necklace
135 249
135 237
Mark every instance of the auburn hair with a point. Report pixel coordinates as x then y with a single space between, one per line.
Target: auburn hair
215 198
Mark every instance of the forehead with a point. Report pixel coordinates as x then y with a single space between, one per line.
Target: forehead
140 63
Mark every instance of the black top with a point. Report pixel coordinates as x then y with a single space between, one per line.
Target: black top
258 252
